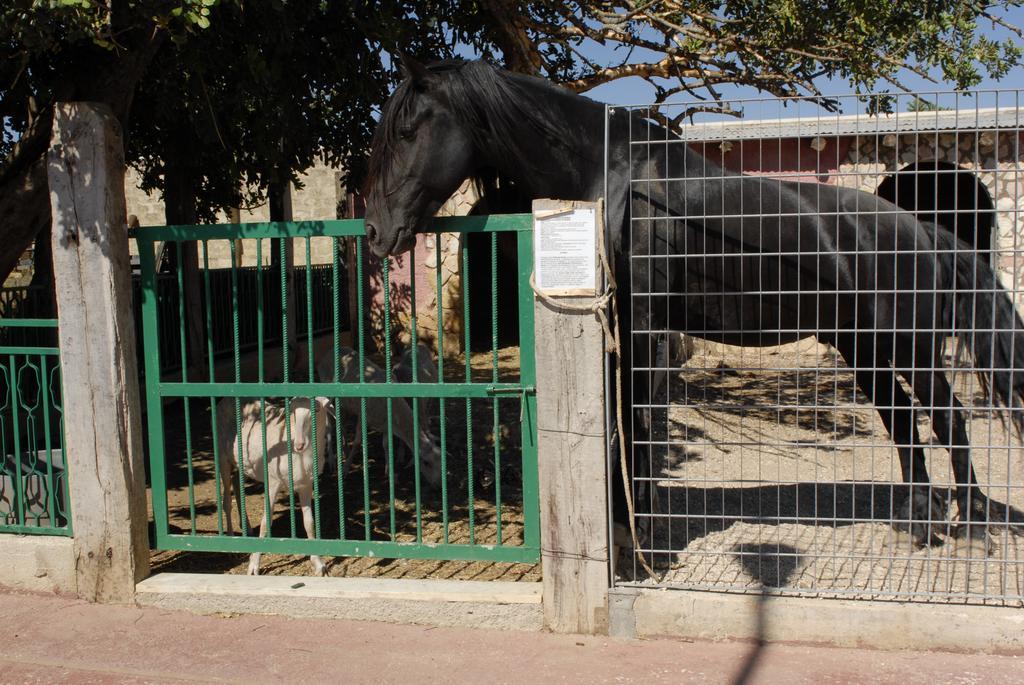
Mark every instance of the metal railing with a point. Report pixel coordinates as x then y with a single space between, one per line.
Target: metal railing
807 436
470 491
32 301
26 302
219 281
33 480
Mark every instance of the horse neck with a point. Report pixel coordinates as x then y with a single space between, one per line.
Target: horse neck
570 168
667 156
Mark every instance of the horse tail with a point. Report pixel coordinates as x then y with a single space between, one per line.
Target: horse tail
986 320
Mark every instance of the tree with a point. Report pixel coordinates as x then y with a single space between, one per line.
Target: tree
230 91
66 50
783 47
918 104
230 117
257 98
209 93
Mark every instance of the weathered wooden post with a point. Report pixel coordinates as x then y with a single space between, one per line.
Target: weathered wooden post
97 344
571 418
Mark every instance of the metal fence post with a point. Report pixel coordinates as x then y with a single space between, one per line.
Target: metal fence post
97 341
571 459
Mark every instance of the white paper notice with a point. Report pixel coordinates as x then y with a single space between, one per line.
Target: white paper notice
565 252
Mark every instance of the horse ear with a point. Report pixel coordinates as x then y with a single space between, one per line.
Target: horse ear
415 70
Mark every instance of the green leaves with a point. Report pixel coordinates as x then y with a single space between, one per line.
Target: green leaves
264 91
194 13
260 89
786 46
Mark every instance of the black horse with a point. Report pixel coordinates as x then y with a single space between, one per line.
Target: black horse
737 259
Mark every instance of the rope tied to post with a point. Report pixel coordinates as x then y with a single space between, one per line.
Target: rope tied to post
605 308
598 306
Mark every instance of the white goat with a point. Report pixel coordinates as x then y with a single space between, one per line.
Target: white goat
275 457
427 373
376 410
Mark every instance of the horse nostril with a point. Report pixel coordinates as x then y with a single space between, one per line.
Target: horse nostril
371 232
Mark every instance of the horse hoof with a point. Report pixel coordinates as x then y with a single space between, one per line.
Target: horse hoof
917 516
902 540
972 540
914 536
486 479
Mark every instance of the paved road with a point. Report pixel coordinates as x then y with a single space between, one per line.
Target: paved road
47 639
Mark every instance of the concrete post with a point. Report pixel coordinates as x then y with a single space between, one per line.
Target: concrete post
571 456
97 342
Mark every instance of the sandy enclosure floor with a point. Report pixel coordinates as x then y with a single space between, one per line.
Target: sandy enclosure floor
484 502
774 473
778 474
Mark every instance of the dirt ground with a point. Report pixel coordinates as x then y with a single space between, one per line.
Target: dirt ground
484 502
774 474
778 474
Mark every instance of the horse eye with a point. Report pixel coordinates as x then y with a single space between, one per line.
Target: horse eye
405 133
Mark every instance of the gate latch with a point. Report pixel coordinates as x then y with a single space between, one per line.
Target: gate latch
522 391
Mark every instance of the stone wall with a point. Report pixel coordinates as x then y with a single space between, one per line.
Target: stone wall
316 199
993 156
460 204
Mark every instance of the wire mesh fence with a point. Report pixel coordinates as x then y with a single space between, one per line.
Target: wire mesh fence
842 417
357 440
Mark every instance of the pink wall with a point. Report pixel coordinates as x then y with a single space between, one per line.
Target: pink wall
400 271
792 158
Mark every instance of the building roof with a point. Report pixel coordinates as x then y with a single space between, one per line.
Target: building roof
858 124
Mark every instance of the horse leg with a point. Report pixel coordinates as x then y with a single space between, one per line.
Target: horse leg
950 427
652 425
668 353
869 359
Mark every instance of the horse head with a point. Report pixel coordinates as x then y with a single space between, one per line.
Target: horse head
422 151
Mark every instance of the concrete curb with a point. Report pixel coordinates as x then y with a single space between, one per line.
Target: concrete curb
689 614
40 563
469 604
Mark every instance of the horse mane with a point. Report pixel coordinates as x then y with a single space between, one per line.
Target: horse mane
491 103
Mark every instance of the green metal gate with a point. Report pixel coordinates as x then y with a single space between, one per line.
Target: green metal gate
484 422
33 480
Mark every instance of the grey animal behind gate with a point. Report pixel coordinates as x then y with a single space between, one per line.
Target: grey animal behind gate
377 410
428 407
426 369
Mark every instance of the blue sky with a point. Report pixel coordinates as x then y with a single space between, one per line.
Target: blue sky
637 91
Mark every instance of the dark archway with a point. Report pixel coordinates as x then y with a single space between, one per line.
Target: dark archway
944 194
498 197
